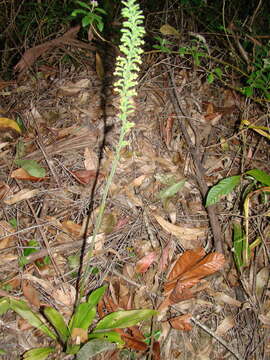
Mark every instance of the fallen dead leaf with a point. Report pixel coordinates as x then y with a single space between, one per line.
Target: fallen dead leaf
227 324
181 322
143 264
21 174
24 194
187 236
30 293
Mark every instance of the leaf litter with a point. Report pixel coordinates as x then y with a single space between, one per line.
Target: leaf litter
154 262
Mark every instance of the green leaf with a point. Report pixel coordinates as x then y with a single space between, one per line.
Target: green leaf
238 240
84 5
79 11
83 317
223 187
96 295
58 322
21 308
171 190
111 336
260 176
123 319
38 354
3 352
32 167
4 306
210 78
93 348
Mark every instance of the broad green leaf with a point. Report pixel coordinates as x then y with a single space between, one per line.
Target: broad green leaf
223 187
2 352
38 354
111 336
260 176
32 167
83 317
93 348
4 306
171 190
123 319
58 322
21 308
96 295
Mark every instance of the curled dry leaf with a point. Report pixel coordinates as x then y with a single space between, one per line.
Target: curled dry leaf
143 265
24 194
190 268
30 293
181 322
187 236
187 272
84 177
227 324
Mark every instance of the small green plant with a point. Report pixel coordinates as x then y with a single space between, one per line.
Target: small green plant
80 336
91 14
259 183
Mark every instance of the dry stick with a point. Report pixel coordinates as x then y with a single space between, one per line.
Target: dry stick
199 171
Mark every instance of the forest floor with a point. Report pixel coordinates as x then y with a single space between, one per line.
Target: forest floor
187 137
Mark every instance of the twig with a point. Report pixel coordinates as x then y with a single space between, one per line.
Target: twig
216 337
199 171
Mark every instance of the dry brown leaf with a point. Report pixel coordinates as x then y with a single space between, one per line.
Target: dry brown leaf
31 55
99 66
6 230
134 343
24 194
143 264
90 159
181 322
227 324
185 262
84 177
30 293
72 228
186 235
79 336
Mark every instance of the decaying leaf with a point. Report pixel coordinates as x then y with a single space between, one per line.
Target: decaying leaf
186 235
9 129
24 194
21 174
181 322
167 29
143 264
30 293
187 272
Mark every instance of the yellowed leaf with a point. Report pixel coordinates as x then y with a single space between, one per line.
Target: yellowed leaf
9 123
167 29
24 194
